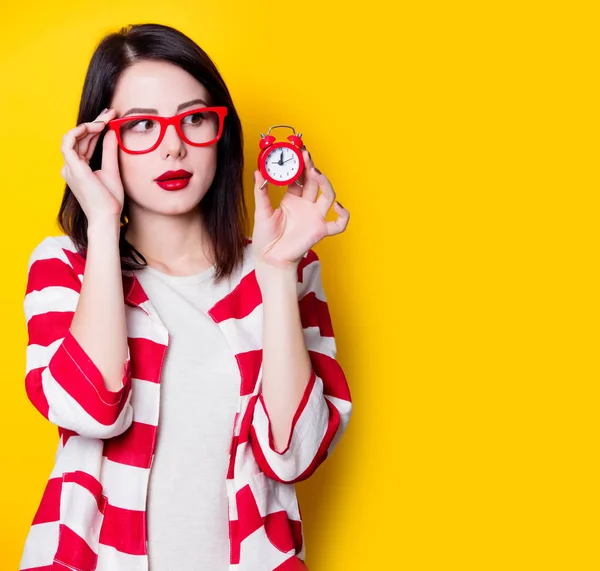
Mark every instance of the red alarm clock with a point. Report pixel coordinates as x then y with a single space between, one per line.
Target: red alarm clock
281 162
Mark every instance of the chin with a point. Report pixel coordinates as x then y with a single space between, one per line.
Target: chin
182 207
181 202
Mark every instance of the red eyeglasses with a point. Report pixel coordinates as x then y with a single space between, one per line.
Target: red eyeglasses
200 127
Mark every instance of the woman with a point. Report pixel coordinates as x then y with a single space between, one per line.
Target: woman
155 300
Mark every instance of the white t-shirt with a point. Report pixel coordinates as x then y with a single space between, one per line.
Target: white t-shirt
200 382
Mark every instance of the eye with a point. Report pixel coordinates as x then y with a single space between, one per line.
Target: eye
140 125
195 118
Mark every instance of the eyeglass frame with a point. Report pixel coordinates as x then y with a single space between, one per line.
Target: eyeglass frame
164 122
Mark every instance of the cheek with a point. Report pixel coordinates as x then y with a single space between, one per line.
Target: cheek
205 161
134 168
136 173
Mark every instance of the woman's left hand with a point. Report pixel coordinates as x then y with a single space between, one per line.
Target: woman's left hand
282 236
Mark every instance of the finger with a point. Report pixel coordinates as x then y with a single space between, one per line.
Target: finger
110 157
339 225
296 187
327 197
264 208
95 128
308 189
87 145
308 164
83 131
68 150
71 145
311 182
307 158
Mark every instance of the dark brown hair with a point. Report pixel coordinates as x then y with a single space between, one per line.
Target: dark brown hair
223 207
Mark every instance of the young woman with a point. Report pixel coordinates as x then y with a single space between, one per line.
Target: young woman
191 370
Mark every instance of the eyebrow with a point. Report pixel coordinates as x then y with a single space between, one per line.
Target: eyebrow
142 110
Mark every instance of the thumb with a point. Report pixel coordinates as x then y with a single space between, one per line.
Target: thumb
110 157
264 208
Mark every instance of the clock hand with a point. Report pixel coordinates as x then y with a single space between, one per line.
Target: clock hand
288 160
281 158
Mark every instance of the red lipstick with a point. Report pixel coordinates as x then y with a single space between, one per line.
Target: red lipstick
174 180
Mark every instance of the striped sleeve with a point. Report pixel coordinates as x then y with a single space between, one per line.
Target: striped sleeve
61 380
324 411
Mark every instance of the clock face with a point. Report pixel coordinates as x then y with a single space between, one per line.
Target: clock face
282 163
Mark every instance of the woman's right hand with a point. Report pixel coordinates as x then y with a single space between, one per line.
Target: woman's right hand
100 193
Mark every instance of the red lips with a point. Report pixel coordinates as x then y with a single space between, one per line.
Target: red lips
169 175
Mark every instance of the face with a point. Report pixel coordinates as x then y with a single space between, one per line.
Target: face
161 88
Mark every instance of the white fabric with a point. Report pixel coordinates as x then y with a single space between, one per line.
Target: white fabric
199 392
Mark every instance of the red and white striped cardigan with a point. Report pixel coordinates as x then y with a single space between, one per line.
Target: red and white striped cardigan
92 513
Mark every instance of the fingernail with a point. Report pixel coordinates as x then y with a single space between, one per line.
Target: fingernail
317 170
105 110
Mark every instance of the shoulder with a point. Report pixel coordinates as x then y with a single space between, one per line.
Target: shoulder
60 248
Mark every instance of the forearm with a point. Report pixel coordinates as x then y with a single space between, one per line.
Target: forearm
99 322
286 363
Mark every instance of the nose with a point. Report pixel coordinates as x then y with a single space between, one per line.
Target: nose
172 145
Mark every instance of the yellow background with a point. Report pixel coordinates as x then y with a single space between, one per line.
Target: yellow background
463 138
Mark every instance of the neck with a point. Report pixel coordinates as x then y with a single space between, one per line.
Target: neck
176 244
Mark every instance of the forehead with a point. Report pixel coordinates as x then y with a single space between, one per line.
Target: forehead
156 84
